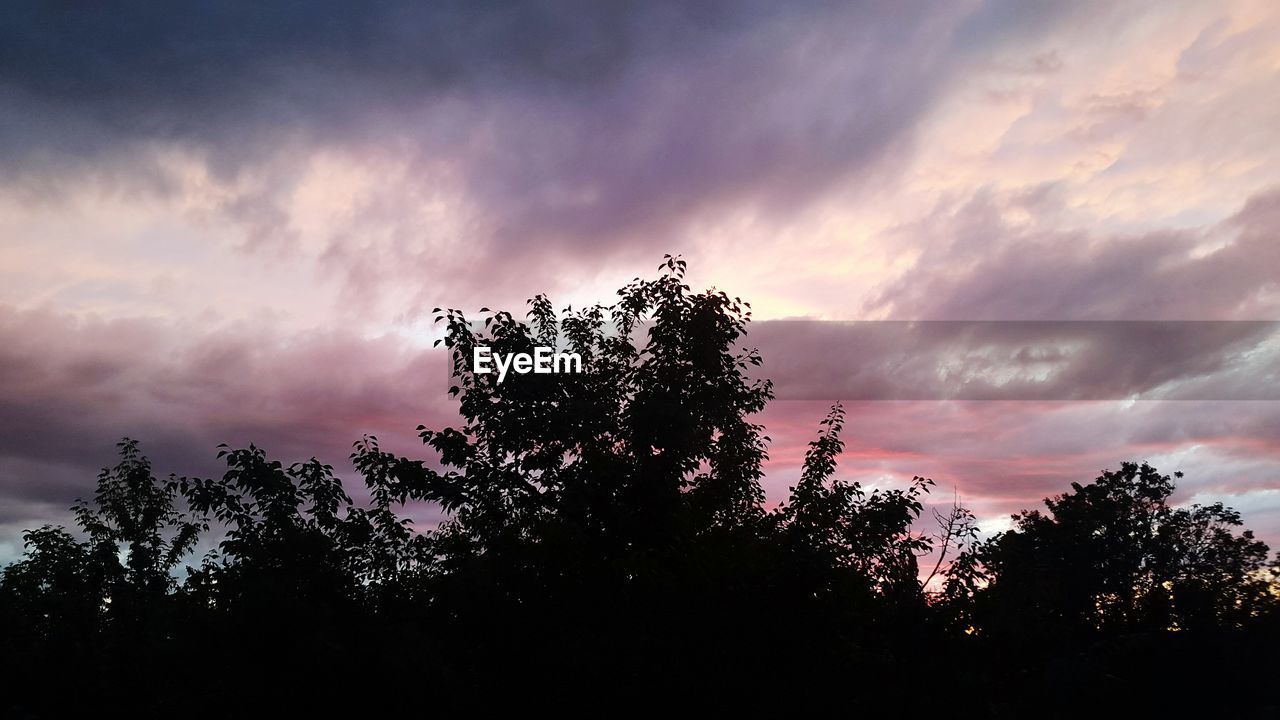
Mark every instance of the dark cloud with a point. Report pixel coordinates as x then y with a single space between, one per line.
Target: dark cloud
573 123
208 72
71 389
1020 360
570 136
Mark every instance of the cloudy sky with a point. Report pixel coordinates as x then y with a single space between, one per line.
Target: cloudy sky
229 223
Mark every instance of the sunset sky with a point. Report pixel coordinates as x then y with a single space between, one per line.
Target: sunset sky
230 223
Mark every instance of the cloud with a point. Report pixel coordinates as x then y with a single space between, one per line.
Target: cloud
1020 360
223 223
980 264
1002 457
588 127
70 389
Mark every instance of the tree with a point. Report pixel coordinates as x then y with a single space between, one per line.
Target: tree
838 529
597 517
54 594
651 446
605 541
1106 598
133 516
1114 557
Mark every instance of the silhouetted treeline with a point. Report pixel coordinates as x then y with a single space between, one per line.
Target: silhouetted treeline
606 549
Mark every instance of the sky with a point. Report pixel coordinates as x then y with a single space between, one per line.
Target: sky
229 222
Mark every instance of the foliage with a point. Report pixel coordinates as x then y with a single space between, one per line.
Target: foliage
605 533
1115 557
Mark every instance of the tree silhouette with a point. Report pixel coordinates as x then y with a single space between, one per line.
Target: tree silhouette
606 542
1113 565
1115 557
